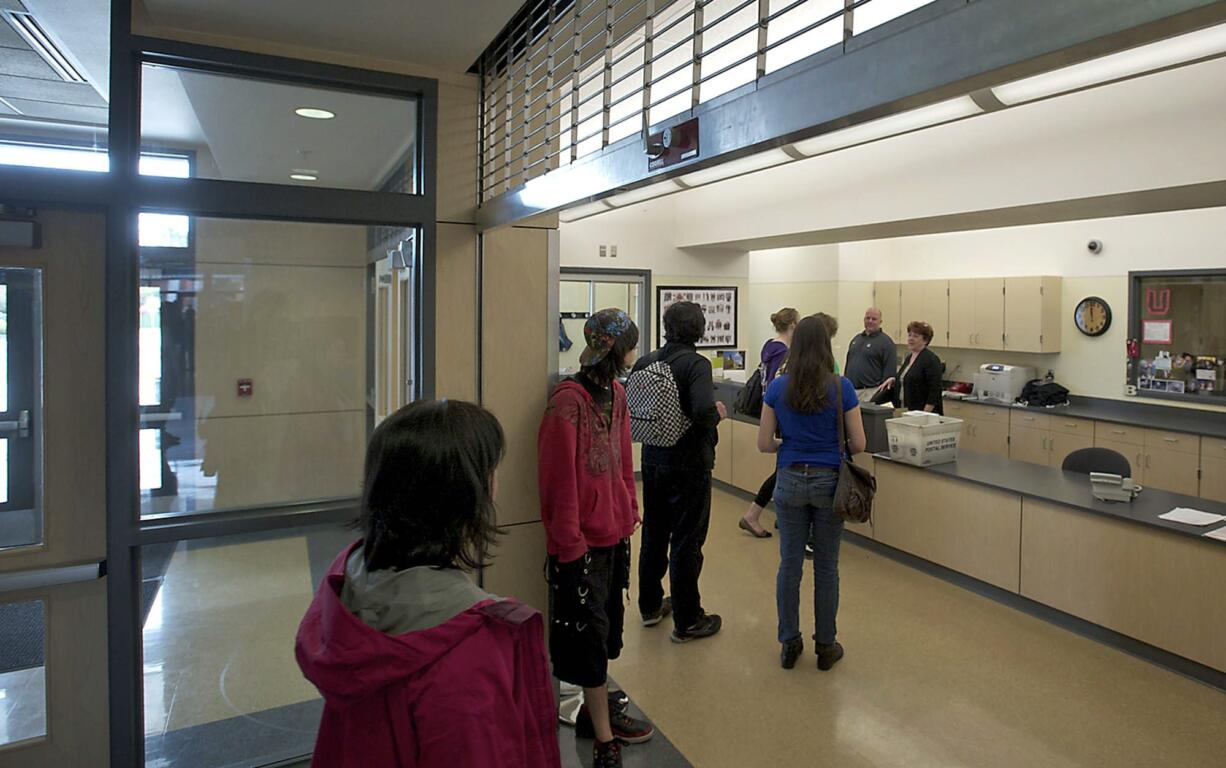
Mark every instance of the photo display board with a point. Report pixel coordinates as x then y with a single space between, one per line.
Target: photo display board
718 306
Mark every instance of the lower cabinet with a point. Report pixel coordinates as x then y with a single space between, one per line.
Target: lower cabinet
724 453
750 467
985 437
1159 587
1213 478
1172 471
1026 444
1061 445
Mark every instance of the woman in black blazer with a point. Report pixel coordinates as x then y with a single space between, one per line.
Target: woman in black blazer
918 387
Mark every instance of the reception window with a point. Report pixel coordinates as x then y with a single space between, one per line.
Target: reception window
1178 335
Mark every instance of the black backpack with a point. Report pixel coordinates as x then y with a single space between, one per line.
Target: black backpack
1042 394
749 399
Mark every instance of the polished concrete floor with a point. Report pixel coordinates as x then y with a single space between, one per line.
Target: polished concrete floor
934 676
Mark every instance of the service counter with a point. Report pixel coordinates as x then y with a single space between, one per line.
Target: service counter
1038 532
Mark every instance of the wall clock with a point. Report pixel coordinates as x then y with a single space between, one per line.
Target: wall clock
1092 316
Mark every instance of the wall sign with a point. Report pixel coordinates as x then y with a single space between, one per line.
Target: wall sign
1156 332
718 307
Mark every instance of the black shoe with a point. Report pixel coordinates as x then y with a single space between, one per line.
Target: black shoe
607 754
708 624
625 728
791 652
827 655
665 609
618 701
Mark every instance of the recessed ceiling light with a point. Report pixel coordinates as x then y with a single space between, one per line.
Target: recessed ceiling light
303 175
314 113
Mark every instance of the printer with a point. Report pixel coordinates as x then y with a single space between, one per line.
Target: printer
1002 383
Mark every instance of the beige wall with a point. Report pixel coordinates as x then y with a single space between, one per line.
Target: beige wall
516 365
282 304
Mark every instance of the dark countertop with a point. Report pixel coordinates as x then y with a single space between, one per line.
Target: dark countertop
1173 418
1070 489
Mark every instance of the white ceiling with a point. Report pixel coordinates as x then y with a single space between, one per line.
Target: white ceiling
447 35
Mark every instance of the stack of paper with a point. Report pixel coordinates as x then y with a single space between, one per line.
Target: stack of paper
1192 516
1219 534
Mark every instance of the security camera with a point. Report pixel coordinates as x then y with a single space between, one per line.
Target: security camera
1095 246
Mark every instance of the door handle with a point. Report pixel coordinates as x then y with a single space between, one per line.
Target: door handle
1147 457
1044 444
21 425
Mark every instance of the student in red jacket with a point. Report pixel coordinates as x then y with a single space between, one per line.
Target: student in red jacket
590 509
419 667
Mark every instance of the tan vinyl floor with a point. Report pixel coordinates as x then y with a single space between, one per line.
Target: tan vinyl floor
934 676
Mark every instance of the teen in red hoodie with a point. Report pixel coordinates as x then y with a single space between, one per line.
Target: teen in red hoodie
419 667
590 509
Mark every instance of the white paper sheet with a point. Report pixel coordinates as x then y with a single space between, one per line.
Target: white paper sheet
1192 516
1219 534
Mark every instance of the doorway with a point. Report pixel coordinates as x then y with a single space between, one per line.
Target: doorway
583 292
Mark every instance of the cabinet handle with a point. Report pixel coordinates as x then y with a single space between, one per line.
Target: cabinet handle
1147 461
1171 439
1118 432
1070 424
1044 443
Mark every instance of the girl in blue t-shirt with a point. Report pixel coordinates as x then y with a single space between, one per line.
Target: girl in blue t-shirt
802 404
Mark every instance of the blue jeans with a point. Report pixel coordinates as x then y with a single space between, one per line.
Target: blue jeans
804 504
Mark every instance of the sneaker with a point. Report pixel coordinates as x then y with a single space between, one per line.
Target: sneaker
625 728
708 624
607 754
791 652
618 701
665 609
827 655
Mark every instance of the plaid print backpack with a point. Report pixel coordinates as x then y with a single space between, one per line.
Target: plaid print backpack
654 402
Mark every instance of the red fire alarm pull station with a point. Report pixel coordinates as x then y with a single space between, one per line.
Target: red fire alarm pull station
245 388
672 145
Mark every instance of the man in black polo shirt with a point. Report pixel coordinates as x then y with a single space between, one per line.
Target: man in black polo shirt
677 485
871 356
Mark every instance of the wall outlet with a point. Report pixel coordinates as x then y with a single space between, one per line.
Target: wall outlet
604 251
612 251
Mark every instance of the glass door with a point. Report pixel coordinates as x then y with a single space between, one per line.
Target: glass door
53 654
394 324
583 292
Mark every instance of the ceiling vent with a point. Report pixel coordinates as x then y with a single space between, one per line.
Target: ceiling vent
43 45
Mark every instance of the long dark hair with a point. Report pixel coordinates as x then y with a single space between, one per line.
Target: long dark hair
427 498
613 365
810 366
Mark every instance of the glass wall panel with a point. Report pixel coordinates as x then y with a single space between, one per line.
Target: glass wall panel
1181 327
219 617
878 12
802 16
54 83
245 129
726 42
253 361
21 514
23 672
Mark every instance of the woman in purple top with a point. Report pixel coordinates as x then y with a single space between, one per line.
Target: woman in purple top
774 352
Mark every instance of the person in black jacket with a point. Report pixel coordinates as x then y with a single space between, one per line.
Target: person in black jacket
918 386
677 485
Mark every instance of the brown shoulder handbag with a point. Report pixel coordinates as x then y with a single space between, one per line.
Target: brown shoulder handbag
853 498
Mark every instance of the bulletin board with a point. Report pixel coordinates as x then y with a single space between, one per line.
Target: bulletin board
718 304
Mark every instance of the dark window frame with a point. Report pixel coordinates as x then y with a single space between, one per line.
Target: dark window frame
1135 298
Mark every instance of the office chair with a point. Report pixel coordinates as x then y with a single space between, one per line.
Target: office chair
1087 460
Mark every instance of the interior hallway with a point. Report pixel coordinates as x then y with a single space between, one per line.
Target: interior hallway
934 676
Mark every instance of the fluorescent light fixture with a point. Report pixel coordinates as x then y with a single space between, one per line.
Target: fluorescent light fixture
1135 61
644 193
903 122
176 167
32 32
59 158
583 211
301 174
314 113
738 167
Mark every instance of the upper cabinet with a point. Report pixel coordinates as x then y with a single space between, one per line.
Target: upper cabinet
926 300
887 298
1032 314
1018 314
